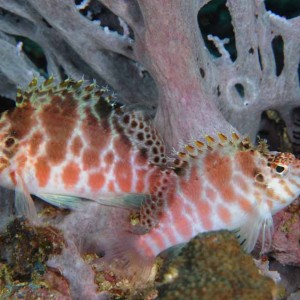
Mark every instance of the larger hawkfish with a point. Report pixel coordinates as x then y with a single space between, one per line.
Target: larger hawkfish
66 142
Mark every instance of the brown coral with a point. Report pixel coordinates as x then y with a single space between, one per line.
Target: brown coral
213 266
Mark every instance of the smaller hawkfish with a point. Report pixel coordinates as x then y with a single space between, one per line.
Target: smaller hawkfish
214 184
69 142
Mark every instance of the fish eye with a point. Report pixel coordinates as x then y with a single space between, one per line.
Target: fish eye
280 169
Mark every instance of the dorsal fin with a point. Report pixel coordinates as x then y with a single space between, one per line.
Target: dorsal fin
139 129
131 120
84 94
225 145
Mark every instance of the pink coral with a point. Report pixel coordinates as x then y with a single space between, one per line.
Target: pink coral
286 240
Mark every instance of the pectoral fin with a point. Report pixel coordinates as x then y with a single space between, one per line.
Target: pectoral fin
128 201
248 234
24 204
64 201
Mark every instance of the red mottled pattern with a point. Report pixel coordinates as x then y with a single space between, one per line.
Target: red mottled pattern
222 188
66 139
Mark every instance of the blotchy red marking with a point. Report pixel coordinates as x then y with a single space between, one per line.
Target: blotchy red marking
245 163
76 145
109 158
218 170
21 120
245 205
224 214
145 247
123 173
42 171
241 183
59 119
90 159
21 161
210 194
122 147
140 186
96 181
70 175
204 212
286 188
95 134
170 234
56 151
35 143
153 180
111 186
228 193
182 225
140 159
192 188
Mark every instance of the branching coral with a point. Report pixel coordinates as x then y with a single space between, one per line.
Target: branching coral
157 56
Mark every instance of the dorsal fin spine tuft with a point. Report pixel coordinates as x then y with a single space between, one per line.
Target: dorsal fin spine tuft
223 138
235 137
209 139
48 81
225 145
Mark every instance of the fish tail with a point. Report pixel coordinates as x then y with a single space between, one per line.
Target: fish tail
125 258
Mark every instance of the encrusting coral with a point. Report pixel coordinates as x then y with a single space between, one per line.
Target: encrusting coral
212 266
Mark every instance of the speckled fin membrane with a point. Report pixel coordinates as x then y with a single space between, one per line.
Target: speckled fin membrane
197 149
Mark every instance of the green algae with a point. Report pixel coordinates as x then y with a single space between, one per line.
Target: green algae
213 266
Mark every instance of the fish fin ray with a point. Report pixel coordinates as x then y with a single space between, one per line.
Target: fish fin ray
196 150
24 204
248 234
124 200
63 201
124 258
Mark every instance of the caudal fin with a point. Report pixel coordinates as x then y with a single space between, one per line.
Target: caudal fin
124 257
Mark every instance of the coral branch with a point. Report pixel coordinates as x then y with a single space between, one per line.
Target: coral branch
171 50
127 10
